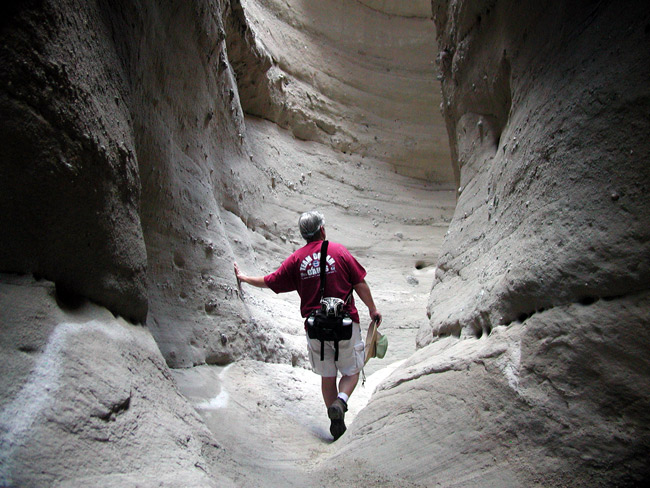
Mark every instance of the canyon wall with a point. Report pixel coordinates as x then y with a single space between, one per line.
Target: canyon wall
130 182
122 148
533 369
69 181
329 72
131 179
120 151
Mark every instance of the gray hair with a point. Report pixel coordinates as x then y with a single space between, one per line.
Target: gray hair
310 223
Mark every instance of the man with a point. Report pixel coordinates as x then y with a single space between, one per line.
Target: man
301 272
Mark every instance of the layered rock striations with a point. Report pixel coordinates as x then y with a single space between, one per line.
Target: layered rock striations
332 72
533 369
120 160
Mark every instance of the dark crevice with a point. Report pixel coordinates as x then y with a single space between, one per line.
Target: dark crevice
613 297
67 298
584 301
420 265
116 410
587 300
523 316
486 326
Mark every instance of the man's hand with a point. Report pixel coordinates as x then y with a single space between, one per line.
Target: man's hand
257 281
376 316
363 290
238 273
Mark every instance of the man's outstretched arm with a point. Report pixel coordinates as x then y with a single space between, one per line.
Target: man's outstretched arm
363 290
257 281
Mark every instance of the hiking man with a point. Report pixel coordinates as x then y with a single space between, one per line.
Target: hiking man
301 272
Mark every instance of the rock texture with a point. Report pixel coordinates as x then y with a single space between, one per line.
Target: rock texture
194 165
121 152
328 72
89 401
121 145
553 202
69 180
532 370
147 145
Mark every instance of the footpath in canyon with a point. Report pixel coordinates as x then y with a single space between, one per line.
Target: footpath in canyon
269 418
487 162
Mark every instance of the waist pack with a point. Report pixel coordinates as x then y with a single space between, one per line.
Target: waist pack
327 327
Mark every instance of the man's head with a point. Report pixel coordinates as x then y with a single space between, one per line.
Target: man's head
310 224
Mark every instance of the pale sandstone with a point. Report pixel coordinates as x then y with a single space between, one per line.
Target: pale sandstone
329 72
89 401
531 370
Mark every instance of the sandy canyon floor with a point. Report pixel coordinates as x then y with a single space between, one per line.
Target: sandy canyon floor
269 419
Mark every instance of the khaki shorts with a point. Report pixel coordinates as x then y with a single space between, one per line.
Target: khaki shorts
351 355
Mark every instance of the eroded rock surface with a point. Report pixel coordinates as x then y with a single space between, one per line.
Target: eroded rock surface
69 180
553 188
532 370
330 72
88 399
132 176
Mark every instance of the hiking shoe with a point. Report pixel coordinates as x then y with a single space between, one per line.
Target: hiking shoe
336 413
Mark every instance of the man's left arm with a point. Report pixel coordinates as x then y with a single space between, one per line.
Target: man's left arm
363 290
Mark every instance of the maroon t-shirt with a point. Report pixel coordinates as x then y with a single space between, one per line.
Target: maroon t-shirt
301 272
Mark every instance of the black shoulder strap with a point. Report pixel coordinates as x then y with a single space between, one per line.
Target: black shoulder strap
323 265
323 275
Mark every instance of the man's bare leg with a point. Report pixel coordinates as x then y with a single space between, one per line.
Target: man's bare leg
348 384
328 387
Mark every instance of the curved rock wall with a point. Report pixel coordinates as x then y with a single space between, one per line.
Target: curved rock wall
69 180
123 160
533 369
330 72
544 117
189 133
123 172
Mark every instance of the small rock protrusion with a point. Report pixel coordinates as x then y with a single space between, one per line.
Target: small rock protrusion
412 280
211 306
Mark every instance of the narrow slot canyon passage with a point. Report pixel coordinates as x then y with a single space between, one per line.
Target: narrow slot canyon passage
270 418
485 162
354 132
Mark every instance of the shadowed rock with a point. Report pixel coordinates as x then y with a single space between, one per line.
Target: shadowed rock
532 370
